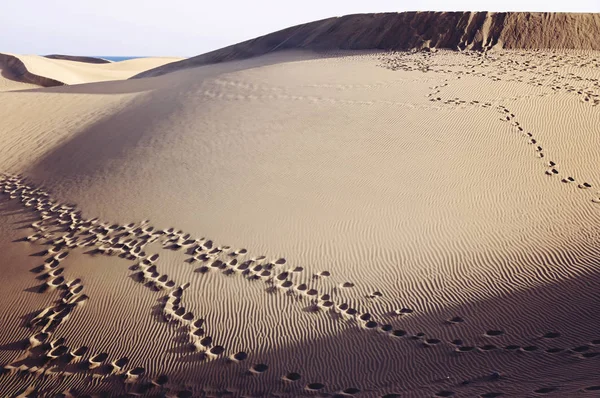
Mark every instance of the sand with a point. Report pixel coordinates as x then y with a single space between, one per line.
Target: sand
20 72
354 224
418 30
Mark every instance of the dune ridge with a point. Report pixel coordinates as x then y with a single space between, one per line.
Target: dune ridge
16 69
51 71
78 58
416 30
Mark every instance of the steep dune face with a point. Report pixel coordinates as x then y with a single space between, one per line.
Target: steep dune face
52 71
15 69
416 30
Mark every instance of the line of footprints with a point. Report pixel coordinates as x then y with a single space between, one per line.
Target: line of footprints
552 168
509 68
61 227
44 355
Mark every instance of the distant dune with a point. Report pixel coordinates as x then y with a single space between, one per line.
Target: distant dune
416 30
49 71
89 60
14 69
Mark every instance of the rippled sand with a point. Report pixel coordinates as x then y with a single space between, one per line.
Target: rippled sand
363 224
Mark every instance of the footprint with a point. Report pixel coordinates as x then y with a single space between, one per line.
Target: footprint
456 319
259 368
568 180
315 386
432 341
216 350
371 325
240 356
581 348
293 376
585 185
160 380
494 333
302 287
79 352
365 317
97 360
136 372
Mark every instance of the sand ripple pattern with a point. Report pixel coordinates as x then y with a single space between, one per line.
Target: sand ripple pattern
478 344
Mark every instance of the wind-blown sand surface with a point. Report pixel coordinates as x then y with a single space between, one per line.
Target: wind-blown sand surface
367 224
38 71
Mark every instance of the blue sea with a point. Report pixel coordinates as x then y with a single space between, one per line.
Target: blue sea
115 59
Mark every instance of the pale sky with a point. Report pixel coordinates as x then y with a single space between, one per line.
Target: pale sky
192 27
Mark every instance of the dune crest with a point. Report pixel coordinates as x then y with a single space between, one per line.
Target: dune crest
90 60
16 69
416 30
51 71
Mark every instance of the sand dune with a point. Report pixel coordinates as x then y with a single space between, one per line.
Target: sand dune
416 30
60 70
90 60
369 224
15 73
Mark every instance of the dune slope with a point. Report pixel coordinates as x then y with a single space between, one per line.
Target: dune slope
58 71
416 30
91 60
382 224
15 69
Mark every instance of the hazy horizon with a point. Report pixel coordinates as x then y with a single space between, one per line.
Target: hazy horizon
186 28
